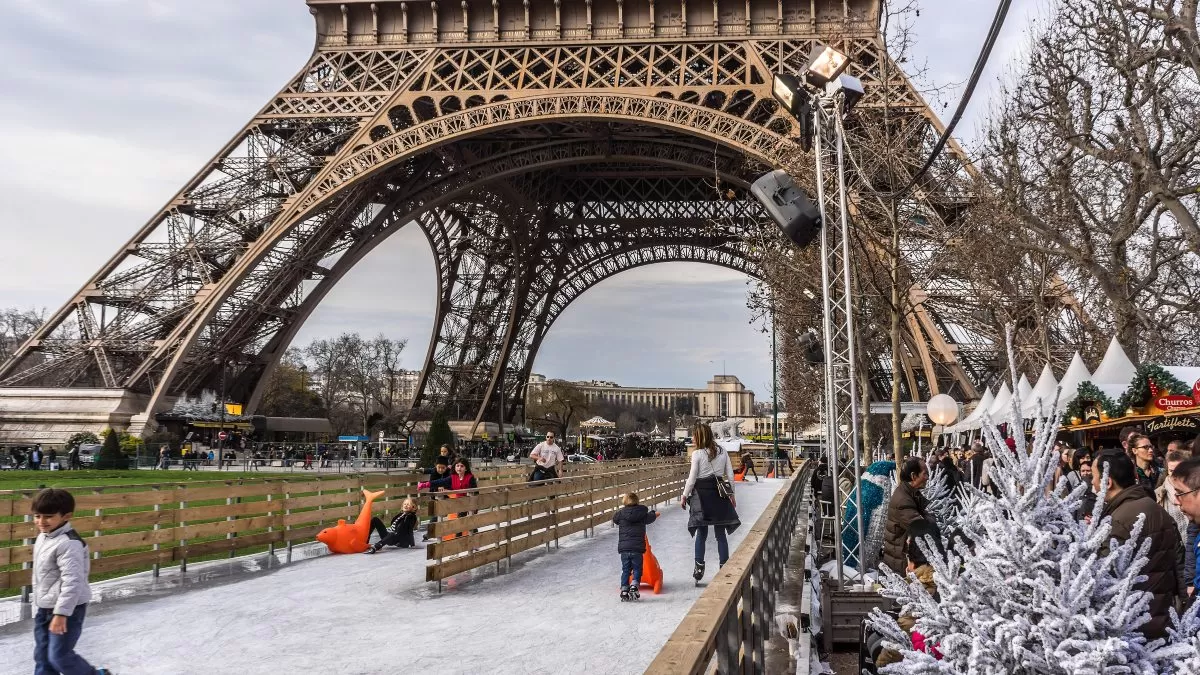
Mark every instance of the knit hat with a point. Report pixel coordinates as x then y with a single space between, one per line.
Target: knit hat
1011 443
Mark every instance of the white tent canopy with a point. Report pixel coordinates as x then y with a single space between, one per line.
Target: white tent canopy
1002 406
1041 400
1077 373
1115 371
597 422
973 421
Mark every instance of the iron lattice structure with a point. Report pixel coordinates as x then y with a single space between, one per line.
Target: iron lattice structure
540 146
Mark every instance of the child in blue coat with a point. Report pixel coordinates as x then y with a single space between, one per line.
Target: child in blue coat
631 521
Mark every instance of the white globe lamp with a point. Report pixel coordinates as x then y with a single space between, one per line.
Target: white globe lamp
942 410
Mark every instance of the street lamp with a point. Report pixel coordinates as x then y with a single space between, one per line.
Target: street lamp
942 410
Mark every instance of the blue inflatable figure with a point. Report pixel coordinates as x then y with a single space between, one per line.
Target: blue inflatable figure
876 486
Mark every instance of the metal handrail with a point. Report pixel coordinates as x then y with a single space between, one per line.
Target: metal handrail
731 619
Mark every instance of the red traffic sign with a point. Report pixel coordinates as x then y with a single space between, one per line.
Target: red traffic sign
223 436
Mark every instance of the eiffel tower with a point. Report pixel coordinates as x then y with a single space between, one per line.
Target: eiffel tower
542 146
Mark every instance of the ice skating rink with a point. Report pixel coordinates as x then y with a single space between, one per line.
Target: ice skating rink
554 612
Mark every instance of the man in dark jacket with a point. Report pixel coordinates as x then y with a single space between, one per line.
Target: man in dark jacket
1186 479
631 521
1125 500
906 505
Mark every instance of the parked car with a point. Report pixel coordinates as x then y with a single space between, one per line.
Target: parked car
88 453
582 459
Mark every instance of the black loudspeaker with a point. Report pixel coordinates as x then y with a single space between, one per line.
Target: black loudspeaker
791 209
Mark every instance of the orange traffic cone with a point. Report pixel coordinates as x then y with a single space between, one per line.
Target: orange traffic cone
652 575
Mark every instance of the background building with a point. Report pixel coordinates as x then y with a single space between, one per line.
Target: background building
725 396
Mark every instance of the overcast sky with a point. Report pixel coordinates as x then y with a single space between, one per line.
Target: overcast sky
108 107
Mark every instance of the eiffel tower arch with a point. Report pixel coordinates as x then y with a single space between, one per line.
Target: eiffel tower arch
541 146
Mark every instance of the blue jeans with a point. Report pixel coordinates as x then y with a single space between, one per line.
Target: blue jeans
722 543
53 654
631 562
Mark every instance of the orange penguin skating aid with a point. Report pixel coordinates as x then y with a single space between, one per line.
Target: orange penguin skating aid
652 575
351 538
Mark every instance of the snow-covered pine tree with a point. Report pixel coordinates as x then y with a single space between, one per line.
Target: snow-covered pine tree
942 505
1028 591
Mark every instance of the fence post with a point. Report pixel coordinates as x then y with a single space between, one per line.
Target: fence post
287 495
182 542
270 529
96 533
26 602
157 508
508 531
229 518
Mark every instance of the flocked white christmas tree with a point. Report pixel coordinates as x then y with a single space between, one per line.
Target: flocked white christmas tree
1029 591
943 505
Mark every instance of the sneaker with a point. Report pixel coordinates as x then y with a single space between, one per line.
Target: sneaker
698 573
624 594
634 593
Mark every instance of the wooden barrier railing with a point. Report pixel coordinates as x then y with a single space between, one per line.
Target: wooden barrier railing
731 618
136 527
506 520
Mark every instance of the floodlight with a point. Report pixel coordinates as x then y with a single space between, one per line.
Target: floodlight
847 85
824 64
791 95
788 206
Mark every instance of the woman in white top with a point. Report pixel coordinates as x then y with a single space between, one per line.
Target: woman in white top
700 494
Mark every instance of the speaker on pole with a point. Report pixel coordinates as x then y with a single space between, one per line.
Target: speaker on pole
789 207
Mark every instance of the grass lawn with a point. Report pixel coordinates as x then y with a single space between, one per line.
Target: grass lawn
23 480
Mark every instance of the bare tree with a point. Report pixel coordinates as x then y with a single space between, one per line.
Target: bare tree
556 405
1092 162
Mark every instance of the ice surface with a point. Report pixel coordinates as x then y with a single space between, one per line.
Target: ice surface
555 612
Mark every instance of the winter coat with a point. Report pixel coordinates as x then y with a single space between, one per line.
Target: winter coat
403 520
1191 572
906 505
453 482
60 571
976 467
434 474
1164 569
631 522
1149 479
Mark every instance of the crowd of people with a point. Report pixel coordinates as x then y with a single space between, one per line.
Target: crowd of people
1154 484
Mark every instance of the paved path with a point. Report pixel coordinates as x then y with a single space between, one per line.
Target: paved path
555 612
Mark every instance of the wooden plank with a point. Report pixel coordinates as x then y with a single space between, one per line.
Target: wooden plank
453 547
457 565
330 516
128 561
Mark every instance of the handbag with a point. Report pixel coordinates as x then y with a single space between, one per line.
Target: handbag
724 487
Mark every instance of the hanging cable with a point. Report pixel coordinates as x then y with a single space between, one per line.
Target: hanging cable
980 64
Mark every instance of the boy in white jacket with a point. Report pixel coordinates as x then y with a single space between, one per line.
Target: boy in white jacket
60 586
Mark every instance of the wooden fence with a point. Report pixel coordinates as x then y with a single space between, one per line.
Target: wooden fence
506 520
136 527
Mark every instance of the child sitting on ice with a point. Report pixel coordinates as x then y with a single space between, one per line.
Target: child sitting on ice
631 521
400 532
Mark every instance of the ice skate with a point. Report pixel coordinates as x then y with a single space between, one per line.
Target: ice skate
698 573
371 549
634 593
624 594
